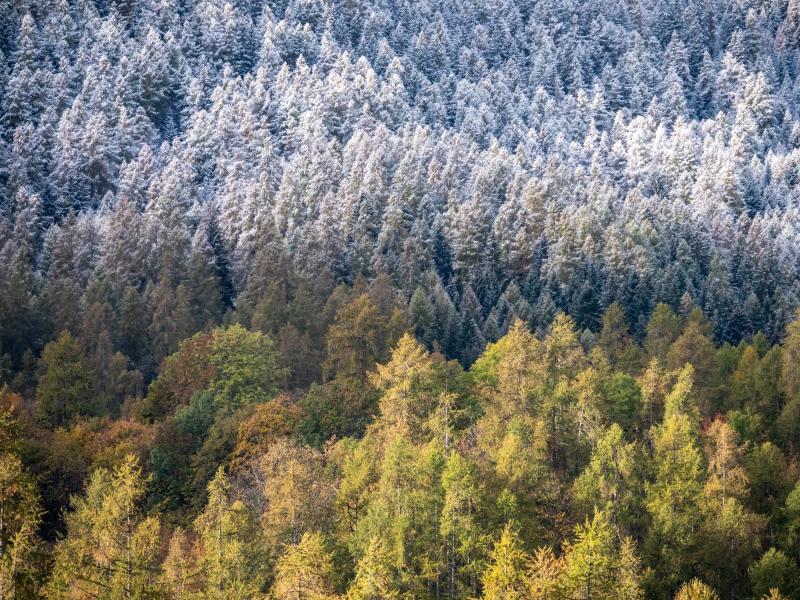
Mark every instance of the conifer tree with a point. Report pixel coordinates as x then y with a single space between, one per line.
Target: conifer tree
673 499
180 572
505 576
228 558
374 579
696 590
65 382
459 526
615 340
111 548
406 395
611 480
20 514
305 571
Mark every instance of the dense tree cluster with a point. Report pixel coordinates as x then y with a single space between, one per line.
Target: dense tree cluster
165 160
559 465
315 299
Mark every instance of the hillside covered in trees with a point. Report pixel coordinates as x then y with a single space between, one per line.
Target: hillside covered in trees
383 299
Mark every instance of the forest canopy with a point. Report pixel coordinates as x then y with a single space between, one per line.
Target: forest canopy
323 299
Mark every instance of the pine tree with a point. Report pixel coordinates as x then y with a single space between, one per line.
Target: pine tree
64 382
420 311
203 285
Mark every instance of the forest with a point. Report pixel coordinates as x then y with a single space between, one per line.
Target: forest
399 299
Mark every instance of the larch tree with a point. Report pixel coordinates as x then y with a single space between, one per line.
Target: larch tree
304 571
374 577
695 589
406 400
20 515
673 498
459 527
110 549
505 576
612 481
228 558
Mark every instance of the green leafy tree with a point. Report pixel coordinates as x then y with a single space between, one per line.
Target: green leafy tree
338 408
530 492
791 533
247 368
